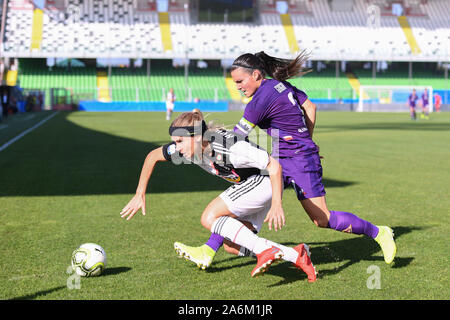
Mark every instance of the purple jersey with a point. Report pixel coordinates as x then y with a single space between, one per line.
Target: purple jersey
275 107
412 100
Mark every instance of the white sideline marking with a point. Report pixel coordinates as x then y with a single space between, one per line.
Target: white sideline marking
10 142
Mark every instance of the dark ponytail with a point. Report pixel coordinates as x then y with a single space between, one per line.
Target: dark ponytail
277 68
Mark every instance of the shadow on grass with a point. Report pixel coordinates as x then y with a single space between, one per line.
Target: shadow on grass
63 158
114 271
106 273
39 293
345 252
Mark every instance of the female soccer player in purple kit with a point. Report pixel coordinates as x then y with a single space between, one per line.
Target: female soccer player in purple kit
424 105
288 116
412 100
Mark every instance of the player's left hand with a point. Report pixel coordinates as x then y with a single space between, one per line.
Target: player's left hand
136 203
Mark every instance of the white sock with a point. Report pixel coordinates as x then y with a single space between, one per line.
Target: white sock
235 231
289 254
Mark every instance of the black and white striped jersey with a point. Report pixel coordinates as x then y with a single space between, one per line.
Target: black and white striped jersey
232 156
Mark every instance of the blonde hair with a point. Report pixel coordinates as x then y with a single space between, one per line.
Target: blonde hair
188 119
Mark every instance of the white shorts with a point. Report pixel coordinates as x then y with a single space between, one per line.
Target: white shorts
250 200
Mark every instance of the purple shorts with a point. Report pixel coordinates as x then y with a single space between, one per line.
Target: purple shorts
304 174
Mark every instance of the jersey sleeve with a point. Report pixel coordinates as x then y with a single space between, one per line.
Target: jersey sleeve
245 155
243 127
252 116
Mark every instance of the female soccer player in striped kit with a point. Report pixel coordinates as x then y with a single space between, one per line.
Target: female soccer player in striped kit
287 115
233 158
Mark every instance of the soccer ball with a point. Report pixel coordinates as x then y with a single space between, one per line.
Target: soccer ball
89 260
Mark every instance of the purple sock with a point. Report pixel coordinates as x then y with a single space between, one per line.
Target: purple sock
348 222
215 241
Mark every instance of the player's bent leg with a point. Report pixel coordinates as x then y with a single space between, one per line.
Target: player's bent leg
249 202
251 205
350 223
385 239
203 255
337 220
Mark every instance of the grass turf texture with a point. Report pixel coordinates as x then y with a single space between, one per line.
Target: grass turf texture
65 183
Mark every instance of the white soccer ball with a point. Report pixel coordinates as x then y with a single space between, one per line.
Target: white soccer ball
89 260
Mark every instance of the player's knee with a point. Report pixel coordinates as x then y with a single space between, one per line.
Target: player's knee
321 222
207 219
204 222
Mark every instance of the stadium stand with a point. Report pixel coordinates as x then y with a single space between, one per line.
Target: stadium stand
35 75
123 28
337 30
135 84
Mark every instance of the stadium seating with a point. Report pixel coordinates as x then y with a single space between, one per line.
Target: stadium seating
272 35
91 29
135 85
346 34
133 29
432 32
35 74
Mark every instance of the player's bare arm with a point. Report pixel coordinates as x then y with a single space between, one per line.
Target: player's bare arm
276 212
138 200
309 110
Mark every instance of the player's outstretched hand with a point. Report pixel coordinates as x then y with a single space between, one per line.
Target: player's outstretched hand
136 203
275 216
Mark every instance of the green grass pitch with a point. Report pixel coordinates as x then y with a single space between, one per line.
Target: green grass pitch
65 183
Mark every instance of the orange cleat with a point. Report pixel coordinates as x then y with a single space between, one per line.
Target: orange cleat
265 259
304 262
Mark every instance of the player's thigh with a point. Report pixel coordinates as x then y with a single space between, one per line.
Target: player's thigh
250 200
217 208
304 174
